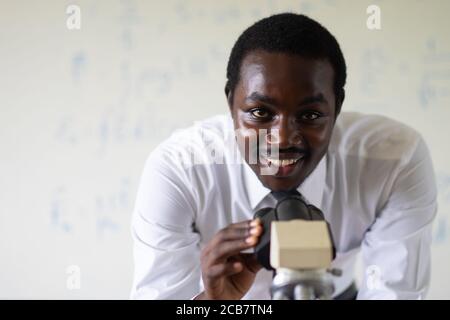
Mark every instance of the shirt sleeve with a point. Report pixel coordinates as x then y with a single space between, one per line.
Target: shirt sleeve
165 244
396 249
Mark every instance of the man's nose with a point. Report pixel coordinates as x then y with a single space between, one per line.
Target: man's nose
286 133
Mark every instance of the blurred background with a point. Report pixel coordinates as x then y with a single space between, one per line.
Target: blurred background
81 109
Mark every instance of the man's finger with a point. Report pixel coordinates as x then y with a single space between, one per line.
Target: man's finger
245 237
240 231
229 248
245 224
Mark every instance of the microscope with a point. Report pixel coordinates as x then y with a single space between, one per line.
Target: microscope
297 245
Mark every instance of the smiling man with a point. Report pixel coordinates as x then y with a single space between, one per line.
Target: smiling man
372 177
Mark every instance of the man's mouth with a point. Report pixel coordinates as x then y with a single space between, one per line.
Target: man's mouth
284 162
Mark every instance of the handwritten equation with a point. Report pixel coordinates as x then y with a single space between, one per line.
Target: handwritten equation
102 213
441 225
434 90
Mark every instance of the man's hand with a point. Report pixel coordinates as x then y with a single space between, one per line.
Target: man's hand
227 273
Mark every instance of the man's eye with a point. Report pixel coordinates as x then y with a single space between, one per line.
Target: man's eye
310 116
259 113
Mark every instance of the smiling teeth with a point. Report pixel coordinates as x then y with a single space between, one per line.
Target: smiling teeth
282 163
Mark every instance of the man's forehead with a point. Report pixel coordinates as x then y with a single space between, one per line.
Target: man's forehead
261 70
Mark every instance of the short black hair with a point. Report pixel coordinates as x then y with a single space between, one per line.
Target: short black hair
288 33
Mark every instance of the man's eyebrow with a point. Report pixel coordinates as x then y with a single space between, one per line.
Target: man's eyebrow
313 99
256 96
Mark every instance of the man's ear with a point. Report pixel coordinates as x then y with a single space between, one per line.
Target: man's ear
339 101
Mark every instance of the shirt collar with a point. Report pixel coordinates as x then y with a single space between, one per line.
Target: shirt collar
312 188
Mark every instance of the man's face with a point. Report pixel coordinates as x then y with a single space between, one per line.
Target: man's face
292 99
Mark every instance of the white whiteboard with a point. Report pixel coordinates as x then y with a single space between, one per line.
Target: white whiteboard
81 110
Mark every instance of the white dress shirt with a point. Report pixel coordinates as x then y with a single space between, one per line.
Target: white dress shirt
375 186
